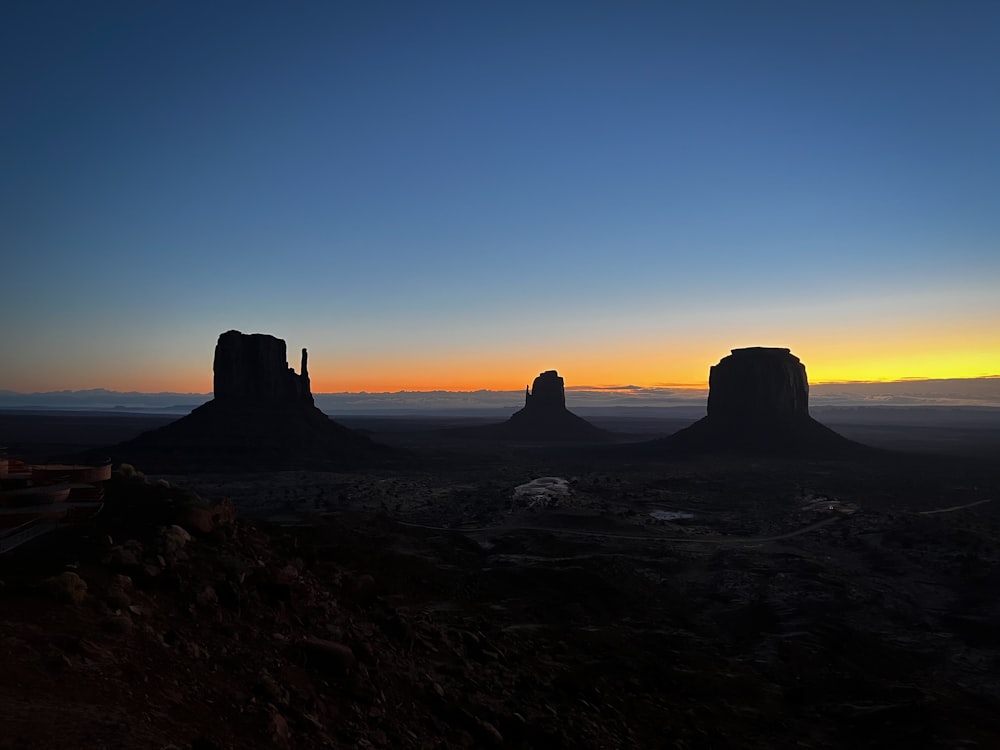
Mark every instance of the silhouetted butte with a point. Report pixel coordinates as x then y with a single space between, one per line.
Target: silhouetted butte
758 400
545 416
261 417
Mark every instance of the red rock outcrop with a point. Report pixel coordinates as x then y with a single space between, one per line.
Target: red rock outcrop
545 416
758 400
253 369
262 418
758 383
547 394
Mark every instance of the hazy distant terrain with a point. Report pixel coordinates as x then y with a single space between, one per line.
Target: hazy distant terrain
949 416
41 434
665 401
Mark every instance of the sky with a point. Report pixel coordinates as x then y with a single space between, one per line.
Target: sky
460 195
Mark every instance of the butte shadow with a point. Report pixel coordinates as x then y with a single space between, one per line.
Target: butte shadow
758 402
261 418
544 418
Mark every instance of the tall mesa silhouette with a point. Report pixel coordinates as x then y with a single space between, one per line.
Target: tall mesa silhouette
261 417
758 400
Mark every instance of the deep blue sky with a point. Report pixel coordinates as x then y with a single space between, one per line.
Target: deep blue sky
463 194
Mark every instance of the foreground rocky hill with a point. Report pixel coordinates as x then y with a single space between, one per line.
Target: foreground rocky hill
697 605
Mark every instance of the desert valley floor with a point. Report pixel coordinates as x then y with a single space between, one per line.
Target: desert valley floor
627 599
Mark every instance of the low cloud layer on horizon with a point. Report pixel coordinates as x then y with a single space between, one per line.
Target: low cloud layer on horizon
981 392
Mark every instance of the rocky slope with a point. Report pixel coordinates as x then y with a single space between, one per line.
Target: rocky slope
779 615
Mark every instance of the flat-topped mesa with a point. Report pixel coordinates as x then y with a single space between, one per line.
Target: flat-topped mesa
547 394
758 401
758 385
252 370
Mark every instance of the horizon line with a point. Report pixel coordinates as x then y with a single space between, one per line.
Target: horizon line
617 387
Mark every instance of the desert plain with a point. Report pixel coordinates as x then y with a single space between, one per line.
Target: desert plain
478 593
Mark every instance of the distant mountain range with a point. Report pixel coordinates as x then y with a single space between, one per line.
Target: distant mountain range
100 399
662 400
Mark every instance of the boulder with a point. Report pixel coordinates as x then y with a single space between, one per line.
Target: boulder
196 519
330 656
68 587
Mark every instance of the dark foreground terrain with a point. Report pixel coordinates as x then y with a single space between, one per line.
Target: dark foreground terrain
704 602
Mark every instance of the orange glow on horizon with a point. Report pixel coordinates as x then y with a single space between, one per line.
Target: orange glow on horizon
843 358
823 372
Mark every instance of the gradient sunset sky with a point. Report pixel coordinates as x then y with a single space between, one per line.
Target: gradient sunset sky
459 195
